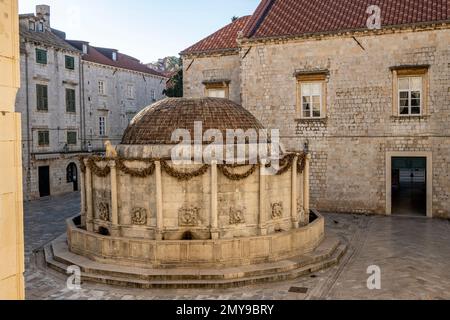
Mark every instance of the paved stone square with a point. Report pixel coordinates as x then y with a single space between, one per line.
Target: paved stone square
413 254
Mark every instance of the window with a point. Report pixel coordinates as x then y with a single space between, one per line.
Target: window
41 56
114 56
311 95
40 27
217 90
70 63
410 91
153 95
130 91
410 95
70 101
85 48
101 87
42 97
71 137
32 26
43 138
102 125
311 100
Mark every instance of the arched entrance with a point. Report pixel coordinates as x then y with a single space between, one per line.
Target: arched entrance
72 175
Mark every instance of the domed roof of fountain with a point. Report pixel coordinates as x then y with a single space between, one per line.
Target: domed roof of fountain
156 123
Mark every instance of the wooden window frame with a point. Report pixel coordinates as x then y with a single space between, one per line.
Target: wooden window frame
312 79
218 86
103 86
410 72
102 133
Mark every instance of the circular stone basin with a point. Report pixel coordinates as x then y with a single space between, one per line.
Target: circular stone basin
204 254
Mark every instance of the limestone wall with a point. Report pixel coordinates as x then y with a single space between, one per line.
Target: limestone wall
11 211
225 67
349 146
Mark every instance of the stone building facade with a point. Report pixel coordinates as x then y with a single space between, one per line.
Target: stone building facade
11 204
49 101
362 100
64 113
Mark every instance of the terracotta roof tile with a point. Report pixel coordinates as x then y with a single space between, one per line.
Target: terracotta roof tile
224 39
104 56
275 18
284 18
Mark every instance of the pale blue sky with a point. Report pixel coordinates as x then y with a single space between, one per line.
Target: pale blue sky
145 29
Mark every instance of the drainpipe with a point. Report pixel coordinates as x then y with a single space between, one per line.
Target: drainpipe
82 115
28 178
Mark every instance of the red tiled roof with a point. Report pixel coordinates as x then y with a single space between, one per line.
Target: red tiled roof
284 18
225 38
275 18
104 56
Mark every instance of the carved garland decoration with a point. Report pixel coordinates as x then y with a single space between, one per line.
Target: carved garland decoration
225 169
182 175
285 164
137 173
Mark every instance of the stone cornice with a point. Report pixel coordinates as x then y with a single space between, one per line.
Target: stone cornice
438 25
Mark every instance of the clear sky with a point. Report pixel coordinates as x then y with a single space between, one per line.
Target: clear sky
145 29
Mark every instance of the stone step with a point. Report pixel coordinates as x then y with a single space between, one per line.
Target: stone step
63 256
59 258
215 284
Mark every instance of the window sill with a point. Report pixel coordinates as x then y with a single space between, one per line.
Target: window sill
42 111
300 120
410 117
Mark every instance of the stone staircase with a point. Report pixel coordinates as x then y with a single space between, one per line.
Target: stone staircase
58 257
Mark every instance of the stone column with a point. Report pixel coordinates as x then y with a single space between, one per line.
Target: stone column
214 211
306 186
83 196
262 201
159 202
115 232
294 194
89 204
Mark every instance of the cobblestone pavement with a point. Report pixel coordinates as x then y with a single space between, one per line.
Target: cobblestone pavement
413 254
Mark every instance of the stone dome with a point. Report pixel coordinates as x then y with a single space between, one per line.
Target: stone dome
155 124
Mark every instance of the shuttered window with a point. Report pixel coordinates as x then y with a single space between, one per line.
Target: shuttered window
41 56
70 63
43 138
42 97
71 137
70 100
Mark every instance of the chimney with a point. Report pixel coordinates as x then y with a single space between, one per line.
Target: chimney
43 13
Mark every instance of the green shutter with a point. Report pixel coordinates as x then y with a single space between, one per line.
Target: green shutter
70 62
70 100
42 97
41 56
71 137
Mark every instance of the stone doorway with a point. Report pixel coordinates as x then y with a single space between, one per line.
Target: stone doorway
409 183
409 186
